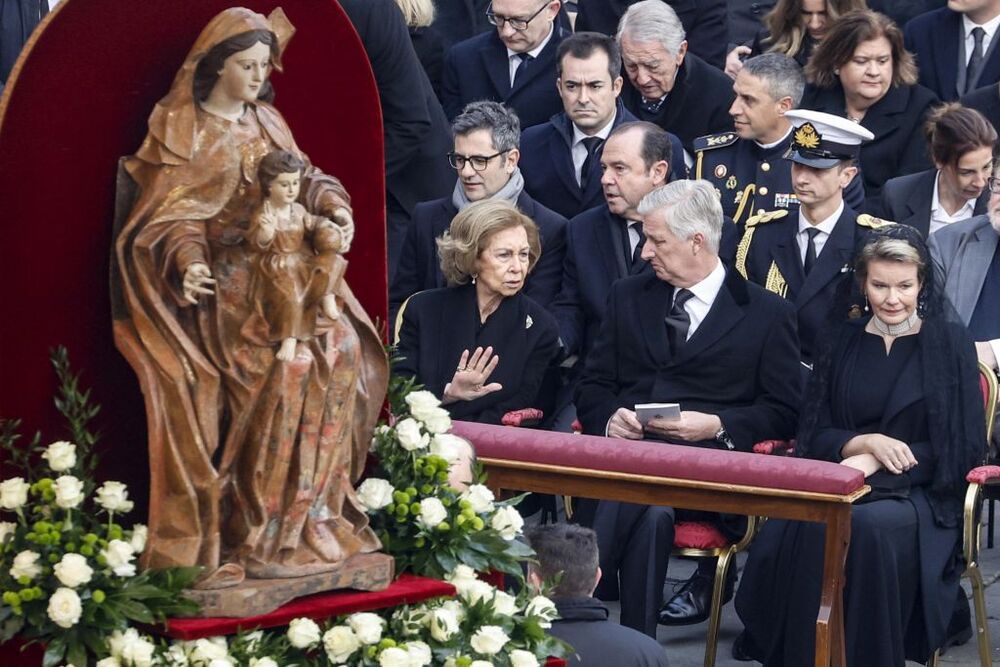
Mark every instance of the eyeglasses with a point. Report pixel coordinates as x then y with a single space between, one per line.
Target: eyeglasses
479 162
515 23
994 185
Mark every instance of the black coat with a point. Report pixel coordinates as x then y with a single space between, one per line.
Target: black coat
478 69
934 39
429 48
986 101
698 104
439 324
456 20
740 364
746 20
549 174
897 122
705 25
18 19
907 200
773 248
419 268
598 642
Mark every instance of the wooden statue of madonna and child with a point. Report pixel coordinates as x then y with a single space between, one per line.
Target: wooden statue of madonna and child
262 375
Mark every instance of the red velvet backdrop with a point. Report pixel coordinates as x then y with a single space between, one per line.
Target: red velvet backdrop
79 101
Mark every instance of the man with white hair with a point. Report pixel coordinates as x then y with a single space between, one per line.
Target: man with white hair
695 333
667 85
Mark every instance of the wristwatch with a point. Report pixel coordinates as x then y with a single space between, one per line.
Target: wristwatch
722 437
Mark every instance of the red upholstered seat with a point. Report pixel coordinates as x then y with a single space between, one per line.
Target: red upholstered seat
407 589
698 535
983 475
523 417
659 459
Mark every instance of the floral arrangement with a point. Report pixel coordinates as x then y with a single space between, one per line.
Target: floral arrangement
67 569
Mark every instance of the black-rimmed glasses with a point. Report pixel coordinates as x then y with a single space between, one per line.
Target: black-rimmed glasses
479 162
994 185
515 23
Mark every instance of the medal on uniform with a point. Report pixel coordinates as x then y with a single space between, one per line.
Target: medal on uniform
720 171
731 183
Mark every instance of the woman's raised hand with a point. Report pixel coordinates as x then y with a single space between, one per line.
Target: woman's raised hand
469 381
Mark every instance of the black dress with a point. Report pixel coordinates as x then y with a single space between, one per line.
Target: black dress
901 566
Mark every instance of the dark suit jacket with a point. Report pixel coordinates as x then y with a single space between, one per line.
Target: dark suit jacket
549 174
962 253
455 20
813 296
896 120
698 104
478 69
416 132
419 268
907 200
583 623
986 101
934 39
737 365
439 324
705 24
18 19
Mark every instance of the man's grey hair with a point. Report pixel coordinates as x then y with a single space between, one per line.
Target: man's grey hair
501 122
690 207
652 21
781 75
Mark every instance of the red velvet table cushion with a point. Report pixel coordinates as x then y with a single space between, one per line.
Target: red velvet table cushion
659 459
407 589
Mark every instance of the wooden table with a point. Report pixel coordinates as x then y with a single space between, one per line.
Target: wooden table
833 510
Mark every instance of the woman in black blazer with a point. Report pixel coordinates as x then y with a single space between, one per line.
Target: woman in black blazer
862 71
480 344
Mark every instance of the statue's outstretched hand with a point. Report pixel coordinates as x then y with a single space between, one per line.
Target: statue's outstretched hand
197 280
345 221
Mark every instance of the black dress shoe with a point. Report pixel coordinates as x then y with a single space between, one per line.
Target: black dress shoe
744 649
693 602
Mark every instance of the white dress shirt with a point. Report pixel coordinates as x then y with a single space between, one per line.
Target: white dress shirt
940 217
579 151
704 292
825 229
513 59
990 28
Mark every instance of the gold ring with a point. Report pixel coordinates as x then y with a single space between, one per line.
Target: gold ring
461 369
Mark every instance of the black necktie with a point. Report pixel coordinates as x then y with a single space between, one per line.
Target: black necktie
592 144
522 67
810 260
637 253
652 106
678 321
976 61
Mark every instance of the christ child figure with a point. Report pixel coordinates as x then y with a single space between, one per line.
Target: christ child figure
300 261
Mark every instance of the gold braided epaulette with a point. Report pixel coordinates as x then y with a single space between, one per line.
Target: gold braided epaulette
710 141
871 222
766 216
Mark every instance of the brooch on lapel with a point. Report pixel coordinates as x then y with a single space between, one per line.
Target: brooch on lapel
846 268
528 322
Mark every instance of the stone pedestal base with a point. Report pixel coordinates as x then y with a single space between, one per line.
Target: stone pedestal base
253 597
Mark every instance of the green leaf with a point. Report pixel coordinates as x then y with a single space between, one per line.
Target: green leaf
446 560
11 627
54 652
77 654
136 611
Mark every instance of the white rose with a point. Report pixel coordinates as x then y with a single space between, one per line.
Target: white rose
65 607
432 512
481 663
420 401
303 633
443 623
207 650
437 420
116 641
176 656
263 662
456 607
26 565
137 651
507 522
489 639
480 497
119 556
60 455
7 529
69 492
251 640
340 643
73 570
504 604
460 575
410 437
543 608
522 658
139 535
109 662
394 657
367 626
375 493
222 662
474 591
419 654
13 493
113 496
447 446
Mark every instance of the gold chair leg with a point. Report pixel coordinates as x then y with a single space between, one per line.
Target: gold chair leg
935 659
982 620
715 614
